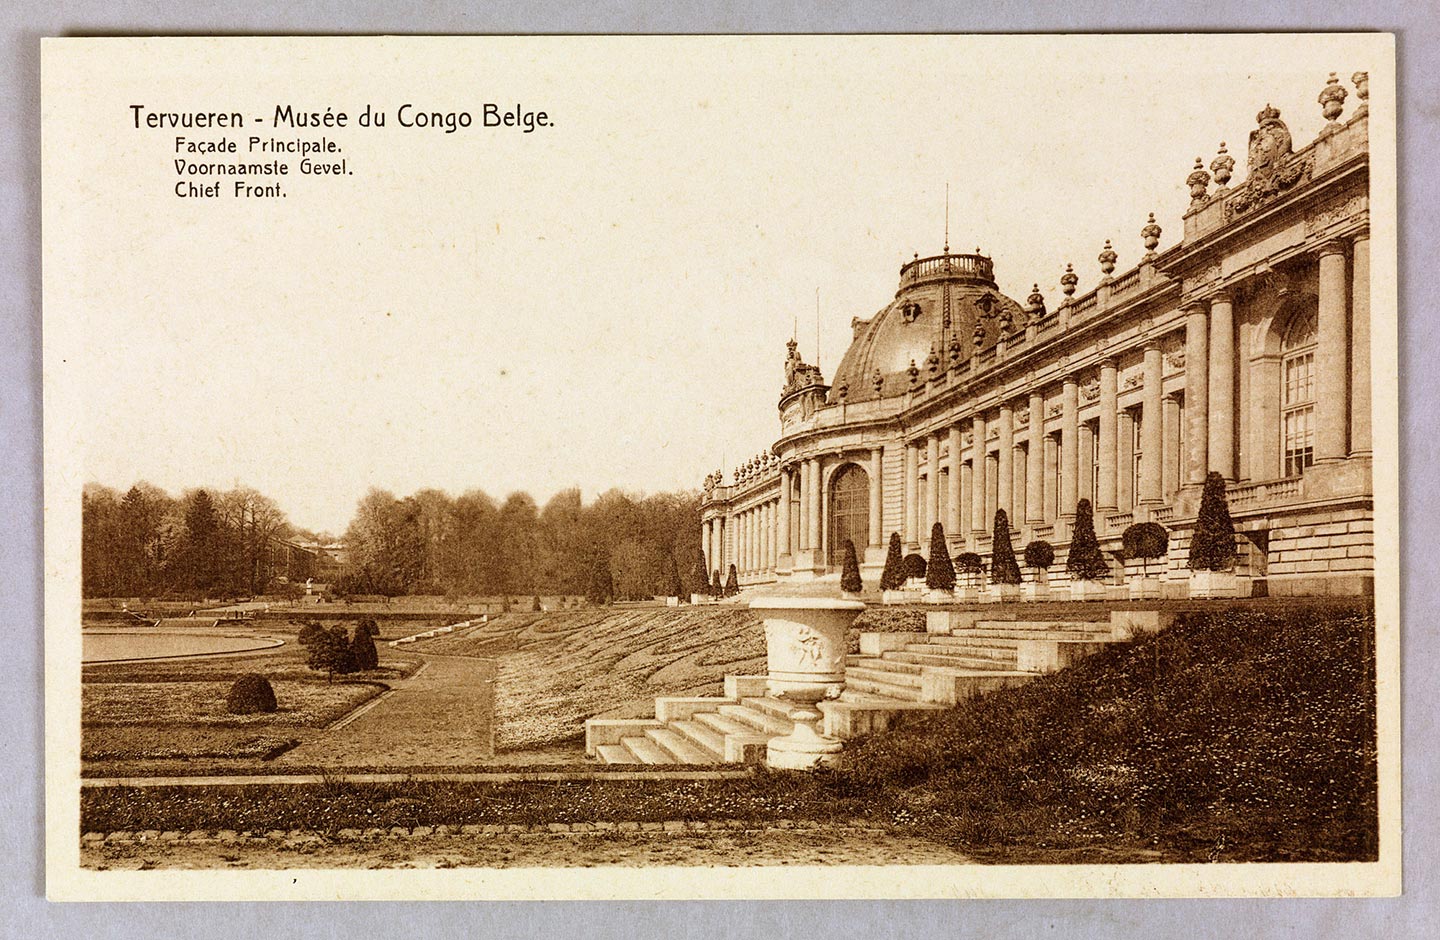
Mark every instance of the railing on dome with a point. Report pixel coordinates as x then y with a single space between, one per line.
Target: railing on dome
974 266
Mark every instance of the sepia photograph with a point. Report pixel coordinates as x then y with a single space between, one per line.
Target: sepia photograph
691 467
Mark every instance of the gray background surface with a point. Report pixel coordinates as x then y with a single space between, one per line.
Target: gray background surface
25 913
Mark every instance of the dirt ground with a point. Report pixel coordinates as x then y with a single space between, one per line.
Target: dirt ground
824 846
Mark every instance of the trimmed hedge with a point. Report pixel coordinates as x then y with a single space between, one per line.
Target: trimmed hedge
940 572
251 694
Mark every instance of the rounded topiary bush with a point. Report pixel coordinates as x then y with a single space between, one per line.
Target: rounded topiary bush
1039 554
915 566
969 564
250 694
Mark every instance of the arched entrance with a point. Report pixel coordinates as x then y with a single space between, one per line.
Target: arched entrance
849 512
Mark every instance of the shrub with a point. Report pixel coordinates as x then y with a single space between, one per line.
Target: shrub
914 566
1039 554
892 578
370 627
717 589
330 652
850 581
940 572
1145 540
362 650
310 631
1085 561
250 694
699 581
732 583
535 607
969 564
1003 567
1212 546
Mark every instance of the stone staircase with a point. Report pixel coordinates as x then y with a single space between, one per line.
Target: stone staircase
962 654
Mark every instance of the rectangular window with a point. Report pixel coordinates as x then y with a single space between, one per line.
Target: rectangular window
1300 379
1137 454
1299 440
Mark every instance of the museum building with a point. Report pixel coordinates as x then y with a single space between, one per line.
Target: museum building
1244 349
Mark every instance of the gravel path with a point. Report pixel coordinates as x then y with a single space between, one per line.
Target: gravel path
532 847
442 715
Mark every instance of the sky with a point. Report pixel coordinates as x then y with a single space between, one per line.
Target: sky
604 302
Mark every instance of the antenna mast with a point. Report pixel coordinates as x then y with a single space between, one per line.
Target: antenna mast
947 218
817 327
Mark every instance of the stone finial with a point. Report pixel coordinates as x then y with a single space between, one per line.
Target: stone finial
1107 259
1036 300
954 350
1151 234
932 361
1362 91
1332 98
914 373
1198 181
878 381
979 334
1068 280
843 391
1223 166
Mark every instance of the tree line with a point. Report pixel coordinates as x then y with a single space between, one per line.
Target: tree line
147 543
618 546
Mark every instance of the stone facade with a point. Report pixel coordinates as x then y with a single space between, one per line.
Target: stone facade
1244 349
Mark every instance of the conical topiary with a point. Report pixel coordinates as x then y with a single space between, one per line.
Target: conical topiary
1212 546
717 588
850 581
732 583
940 572
892 578
1085 561
1004 569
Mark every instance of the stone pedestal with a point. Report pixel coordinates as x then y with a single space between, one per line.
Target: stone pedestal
1144 589
1087 590
1210 584
805 656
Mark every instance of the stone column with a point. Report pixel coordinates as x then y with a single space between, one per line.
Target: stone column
1222 385
1052 467
744 552
992 489
707 539
952 496
1069 447
1332 381
877 493
1085 473
770 539
967 500
817 507
1019 464
978 486
1197 393
1360 346
1004 490
1035 468
932 486
722 552
802 536
1151 427
782 533
1170 448
1106 498
912 491
1124 459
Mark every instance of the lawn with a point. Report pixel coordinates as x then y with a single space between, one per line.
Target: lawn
301 703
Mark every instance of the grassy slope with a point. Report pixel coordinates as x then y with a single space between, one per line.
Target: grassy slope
1232 736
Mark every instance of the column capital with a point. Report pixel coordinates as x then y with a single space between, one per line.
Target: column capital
1196 305
1108 361
1221 295
1333 246
1363 235
1152 344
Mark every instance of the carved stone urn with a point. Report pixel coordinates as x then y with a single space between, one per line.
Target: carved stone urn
805 656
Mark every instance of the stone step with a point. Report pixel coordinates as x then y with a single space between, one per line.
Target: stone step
723 725
955 649
758 720
894 666
1082 635
1038 625
645 751
702 735
965 641
684 751
904 693
770 705
951 660
876 670
615 754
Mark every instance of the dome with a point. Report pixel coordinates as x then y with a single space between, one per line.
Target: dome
914 324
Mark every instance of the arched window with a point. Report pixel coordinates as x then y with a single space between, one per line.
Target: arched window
849 512
1297 394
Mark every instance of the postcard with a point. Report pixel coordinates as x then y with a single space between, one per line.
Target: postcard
721 467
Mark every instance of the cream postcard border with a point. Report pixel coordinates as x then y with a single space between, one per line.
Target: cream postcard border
64 478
